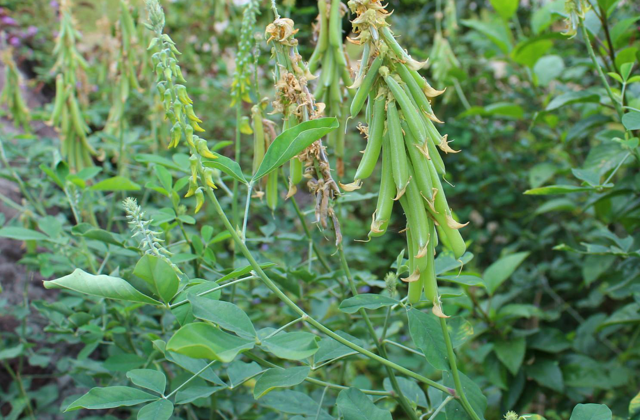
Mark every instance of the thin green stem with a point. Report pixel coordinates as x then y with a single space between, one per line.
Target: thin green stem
406 406
603 78
246 212
206 292
440 407
195 375
287 301
454 371
307 232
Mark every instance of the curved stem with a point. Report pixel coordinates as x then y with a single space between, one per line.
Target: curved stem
307 232
287 301
454 371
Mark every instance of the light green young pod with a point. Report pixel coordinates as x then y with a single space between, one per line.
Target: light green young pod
335 25
410 111
421 171
365 87
271 190
386 192
415 286
398 154
424 85
328 70
258 137
374 143
414 89
60 99
295 165
323 37
442 214
364 63
416 211
399 51
428 275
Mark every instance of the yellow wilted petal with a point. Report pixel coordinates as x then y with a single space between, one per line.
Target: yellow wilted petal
415 276
453 224
437 309
355 185
444 145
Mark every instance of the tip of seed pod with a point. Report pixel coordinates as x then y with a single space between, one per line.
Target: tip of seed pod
292 191
433 118
437 309
431 92
415 276
422 252
355 185
444 145
453 224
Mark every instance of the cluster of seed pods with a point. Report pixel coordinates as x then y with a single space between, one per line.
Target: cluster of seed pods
400 127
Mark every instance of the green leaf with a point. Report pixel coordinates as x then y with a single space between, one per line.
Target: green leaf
366 301
101 285
546 373
279 378
511 352
123 362
505 8
329 349
204 341
353 404
226 165
474 394
11 352
557 189
294 402
426 333
159 275
499 271
529 52
464 279
293 141
591 412
631 120
548 68
192 393
22 234
496 33
586 175
88 231
111 397
292 346
117 183
158 410
541 173
572 98
159 160
149 379
227 315
410 389
195 366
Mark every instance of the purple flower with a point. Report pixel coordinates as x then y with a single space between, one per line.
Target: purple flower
14 40
32 30
364 289
54 4
256 301
8 20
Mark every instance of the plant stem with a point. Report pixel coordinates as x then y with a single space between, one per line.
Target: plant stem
206 292
402 400
307 232
287 301
246 212
195 375
440 407
454 371
603 78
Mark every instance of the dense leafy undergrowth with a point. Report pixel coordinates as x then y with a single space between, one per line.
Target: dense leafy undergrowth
186 179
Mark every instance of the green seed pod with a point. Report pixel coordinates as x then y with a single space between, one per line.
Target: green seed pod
386 192
176 134
272 190
335 25
365 87
374 143
413 118
428 276
258 137
400 53
398 153
364 63
416 93
440 210
421 171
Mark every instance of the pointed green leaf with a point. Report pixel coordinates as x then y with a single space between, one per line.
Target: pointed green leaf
353 404
292 346
426 333
279 378
226 165
501 270
101 285
117 183
158 410
366 301
591 412
111 397
293 141
474 394
631 120
511 352
22 234
557 189
227 315
572 98
204 341
149 379
158 274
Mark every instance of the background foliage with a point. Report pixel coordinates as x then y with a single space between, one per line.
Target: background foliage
544 312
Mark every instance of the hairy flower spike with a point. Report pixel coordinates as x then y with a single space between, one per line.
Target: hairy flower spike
241 79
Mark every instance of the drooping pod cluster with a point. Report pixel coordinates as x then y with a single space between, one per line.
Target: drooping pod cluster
297 104
400 127
11 96
66 115
178 106
335 75
126 77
